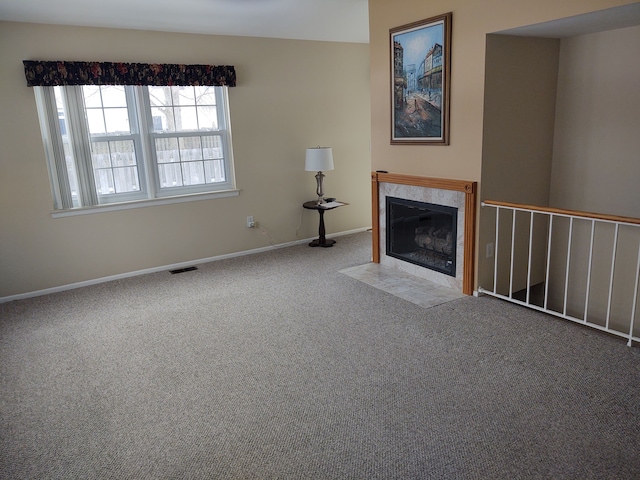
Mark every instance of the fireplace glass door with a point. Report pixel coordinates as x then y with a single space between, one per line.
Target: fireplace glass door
422 233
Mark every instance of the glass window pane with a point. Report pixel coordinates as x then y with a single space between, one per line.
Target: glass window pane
62 122
167 150
122 153
126 179
96 121
163 120
104 181
212 147
208 118
117 120
183 96
214 171
91 94
170 175
193 173
71 172
109 180
186 118
159 96
190 149
205 95
57 93
100 155
113 96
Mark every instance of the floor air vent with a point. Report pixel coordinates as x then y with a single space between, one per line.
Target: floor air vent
182 270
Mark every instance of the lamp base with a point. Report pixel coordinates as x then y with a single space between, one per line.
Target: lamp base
319 192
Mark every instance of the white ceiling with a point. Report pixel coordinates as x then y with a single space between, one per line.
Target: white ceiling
325 20
599 21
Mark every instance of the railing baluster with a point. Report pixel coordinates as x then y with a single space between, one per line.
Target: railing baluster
566 271
635 299
529 260
586 297
495 252
613 264
513 241
546 278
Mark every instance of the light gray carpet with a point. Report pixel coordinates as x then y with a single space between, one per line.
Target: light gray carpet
277 366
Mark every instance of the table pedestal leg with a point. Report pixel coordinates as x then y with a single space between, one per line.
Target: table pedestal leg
321 241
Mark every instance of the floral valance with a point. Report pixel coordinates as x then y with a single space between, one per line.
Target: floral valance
47 74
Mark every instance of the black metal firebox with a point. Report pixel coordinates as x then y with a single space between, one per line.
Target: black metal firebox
422 233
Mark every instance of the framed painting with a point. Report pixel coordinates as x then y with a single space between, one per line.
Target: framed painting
420 80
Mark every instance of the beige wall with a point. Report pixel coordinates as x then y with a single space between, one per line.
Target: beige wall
596 165
518 123
596 154
290 95
519 107
472 21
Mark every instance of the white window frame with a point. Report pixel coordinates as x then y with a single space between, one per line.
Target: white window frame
143 137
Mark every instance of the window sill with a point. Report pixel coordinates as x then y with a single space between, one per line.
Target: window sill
144 203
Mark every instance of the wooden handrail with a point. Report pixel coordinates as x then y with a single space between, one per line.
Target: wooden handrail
561 211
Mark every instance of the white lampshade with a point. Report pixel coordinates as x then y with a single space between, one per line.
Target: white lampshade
319 159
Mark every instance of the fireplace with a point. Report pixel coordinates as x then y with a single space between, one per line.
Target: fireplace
422 233
459 195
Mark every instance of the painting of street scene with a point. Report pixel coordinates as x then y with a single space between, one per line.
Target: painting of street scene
420 81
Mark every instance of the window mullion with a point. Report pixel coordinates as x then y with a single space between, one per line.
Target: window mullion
221 102
224 123
54 147
81 145
145 123
137 126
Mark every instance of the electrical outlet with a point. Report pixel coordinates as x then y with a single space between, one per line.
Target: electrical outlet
250 222
489 250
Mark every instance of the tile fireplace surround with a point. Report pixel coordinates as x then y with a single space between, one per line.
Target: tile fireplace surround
453 193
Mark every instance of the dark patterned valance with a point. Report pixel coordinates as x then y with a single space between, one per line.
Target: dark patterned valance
48 74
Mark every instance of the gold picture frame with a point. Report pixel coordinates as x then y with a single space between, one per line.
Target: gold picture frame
420 81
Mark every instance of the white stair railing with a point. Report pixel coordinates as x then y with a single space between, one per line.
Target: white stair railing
585 282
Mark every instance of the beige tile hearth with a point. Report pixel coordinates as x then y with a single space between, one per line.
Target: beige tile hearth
408 287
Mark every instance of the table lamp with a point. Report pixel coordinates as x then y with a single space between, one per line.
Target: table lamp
319 159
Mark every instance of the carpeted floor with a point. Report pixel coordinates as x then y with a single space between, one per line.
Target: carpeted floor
276 365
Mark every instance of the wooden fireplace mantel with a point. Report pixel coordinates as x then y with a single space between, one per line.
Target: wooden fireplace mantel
470 191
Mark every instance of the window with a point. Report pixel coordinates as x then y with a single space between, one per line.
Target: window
111 144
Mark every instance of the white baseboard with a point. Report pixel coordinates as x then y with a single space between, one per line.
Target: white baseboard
163 268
